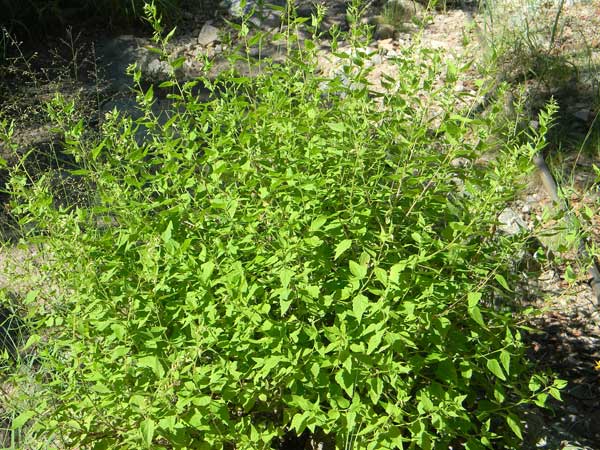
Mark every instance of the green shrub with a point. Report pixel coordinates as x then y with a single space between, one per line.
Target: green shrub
296 253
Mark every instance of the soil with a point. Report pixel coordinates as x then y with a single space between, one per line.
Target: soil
567 340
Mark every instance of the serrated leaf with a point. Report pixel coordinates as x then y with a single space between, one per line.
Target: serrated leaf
342 247
360 303
358 270
515 425
395 271
494 366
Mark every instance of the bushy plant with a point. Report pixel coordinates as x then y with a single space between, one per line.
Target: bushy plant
295 253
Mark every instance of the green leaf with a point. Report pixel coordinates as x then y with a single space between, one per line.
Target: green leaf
360 303
166 236
555 393
22 419
475 314
285 276
375 389
560 384
284 305
374 341
494 366
505 360
31 340
152 362
345 380
149 95
147 429
177 63
299 421
338 127
473 299
570 275
318 223
358 270
502 281
515 425
381 275
342 247
535 383
207 269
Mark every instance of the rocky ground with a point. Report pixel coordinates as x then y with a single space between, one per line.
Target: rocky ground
90 65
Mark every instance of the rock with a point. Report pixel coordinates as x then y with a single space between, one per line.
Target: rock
235 8
116 55
384 31
266 20
377 59
583 115
460 163
386 44
156 69
510 222
208 35
305 10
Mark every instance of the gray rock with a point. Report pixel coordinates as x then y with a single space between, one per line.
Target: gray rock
583 115
377 59
460 162
384 31
237 8
266 19
208 35
115 55
511 222
156 69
